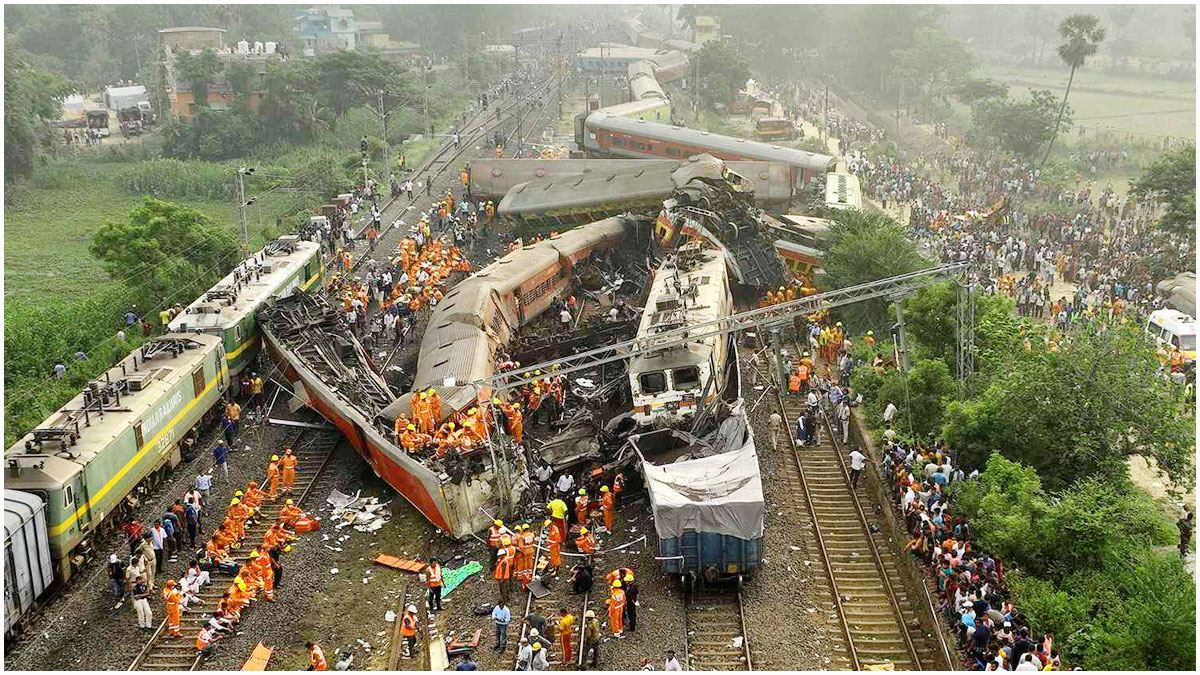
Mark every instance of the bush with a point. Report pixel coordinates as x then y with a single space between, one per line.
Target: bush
174 179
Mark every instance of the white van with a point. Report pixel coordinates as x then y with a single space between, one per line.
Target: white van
1173 328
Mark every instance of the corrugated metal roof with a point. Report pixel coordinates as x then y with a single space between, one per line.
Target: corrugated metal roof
717 144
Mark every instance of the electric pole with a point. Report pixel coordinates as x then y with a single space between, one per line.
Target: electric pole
242 204
425 95
383 129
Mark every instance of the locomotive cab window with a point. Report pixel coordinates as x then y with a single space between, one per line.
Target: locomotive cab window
619 142
687 378
68 496
653 383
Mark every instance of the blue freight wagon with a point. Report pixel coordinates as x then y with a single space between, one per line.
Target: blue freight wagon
707 500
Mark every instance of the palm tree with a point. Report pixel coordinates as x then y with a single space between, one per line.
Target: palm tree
1083 36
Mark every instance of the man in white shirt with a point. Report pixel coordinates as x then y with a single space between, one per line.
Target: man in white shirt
566 484
843 414
889 413
858 462
564 317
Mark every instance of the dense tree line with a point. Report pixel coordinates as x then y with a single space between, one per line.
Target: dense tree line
33 93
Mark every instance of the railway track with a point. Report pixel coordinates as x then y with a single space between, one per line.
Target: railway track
476 128
868 598
716 631
313 451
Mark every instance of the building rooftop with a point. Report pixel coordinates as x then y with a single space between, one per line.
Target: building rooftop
192 29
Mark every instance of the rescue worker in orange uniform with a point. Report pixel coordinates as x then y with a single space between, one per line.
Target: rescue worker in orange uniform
553 545
606 501
586 542
237 518
566 626
408 629
273 478
290 513
504 566
254 496
173 599
288 464
413 440
618 574
616 608
525 541
495 537
433 580
512 411
581 507
316 657
435 404
260 563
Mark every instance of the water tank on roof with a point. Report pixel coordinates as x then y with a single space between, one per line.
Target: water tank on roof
243 47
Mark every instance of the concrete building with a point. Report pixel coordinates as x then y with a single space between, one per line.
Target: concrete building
708 28
323 30
180 99
193 37
116 98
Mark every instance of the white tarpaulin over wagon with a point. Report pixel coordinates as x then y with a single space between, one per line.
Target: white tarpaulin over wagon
721 494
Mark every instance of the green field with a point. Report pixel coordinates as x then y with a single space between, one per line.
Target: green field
1144 106
48 231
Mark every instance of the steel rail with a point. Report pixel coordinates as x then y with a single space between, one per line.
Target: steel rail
862 519
812 512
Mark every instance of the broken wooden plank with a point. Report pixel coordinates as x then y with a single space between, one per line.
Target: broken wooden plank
402 564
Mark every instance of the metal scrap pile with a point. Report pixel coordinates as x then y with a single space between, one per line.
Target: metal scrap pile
313 328
364 515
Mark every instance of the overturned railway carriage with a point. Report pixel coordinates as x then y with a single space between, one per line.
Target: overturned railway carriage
478 315
605 135
124 428
230 308
493 178
28 567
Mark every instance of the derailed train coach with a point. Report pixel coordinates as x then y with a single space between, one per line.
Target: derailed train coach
706 492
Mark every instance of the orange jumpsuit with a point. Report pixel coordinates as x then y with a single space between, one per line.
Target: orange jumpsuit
586 543
514 423
581 509
266 576
554 545
525 569
174 598
616 610
273 478
289 472
607 501
290 513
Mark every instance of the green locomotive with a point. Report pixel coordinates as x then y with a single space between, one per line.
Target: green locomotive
125 428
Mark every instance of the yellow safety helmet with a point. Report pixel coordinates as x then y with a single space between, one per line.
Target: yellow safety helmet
506 540
839 324
472 411
238 494
582 491
424 395
274 458
287 549
537 646
537 372
546 523
583 530
469 423
254 553
590 614
241 583
616 583
498 523
495 401
235 500
516 406
870 332
430 391
604 488
451 425
629 576
290 502
412 427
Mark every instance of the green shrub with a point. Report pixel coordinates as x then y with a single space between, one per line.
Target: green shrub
175 179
